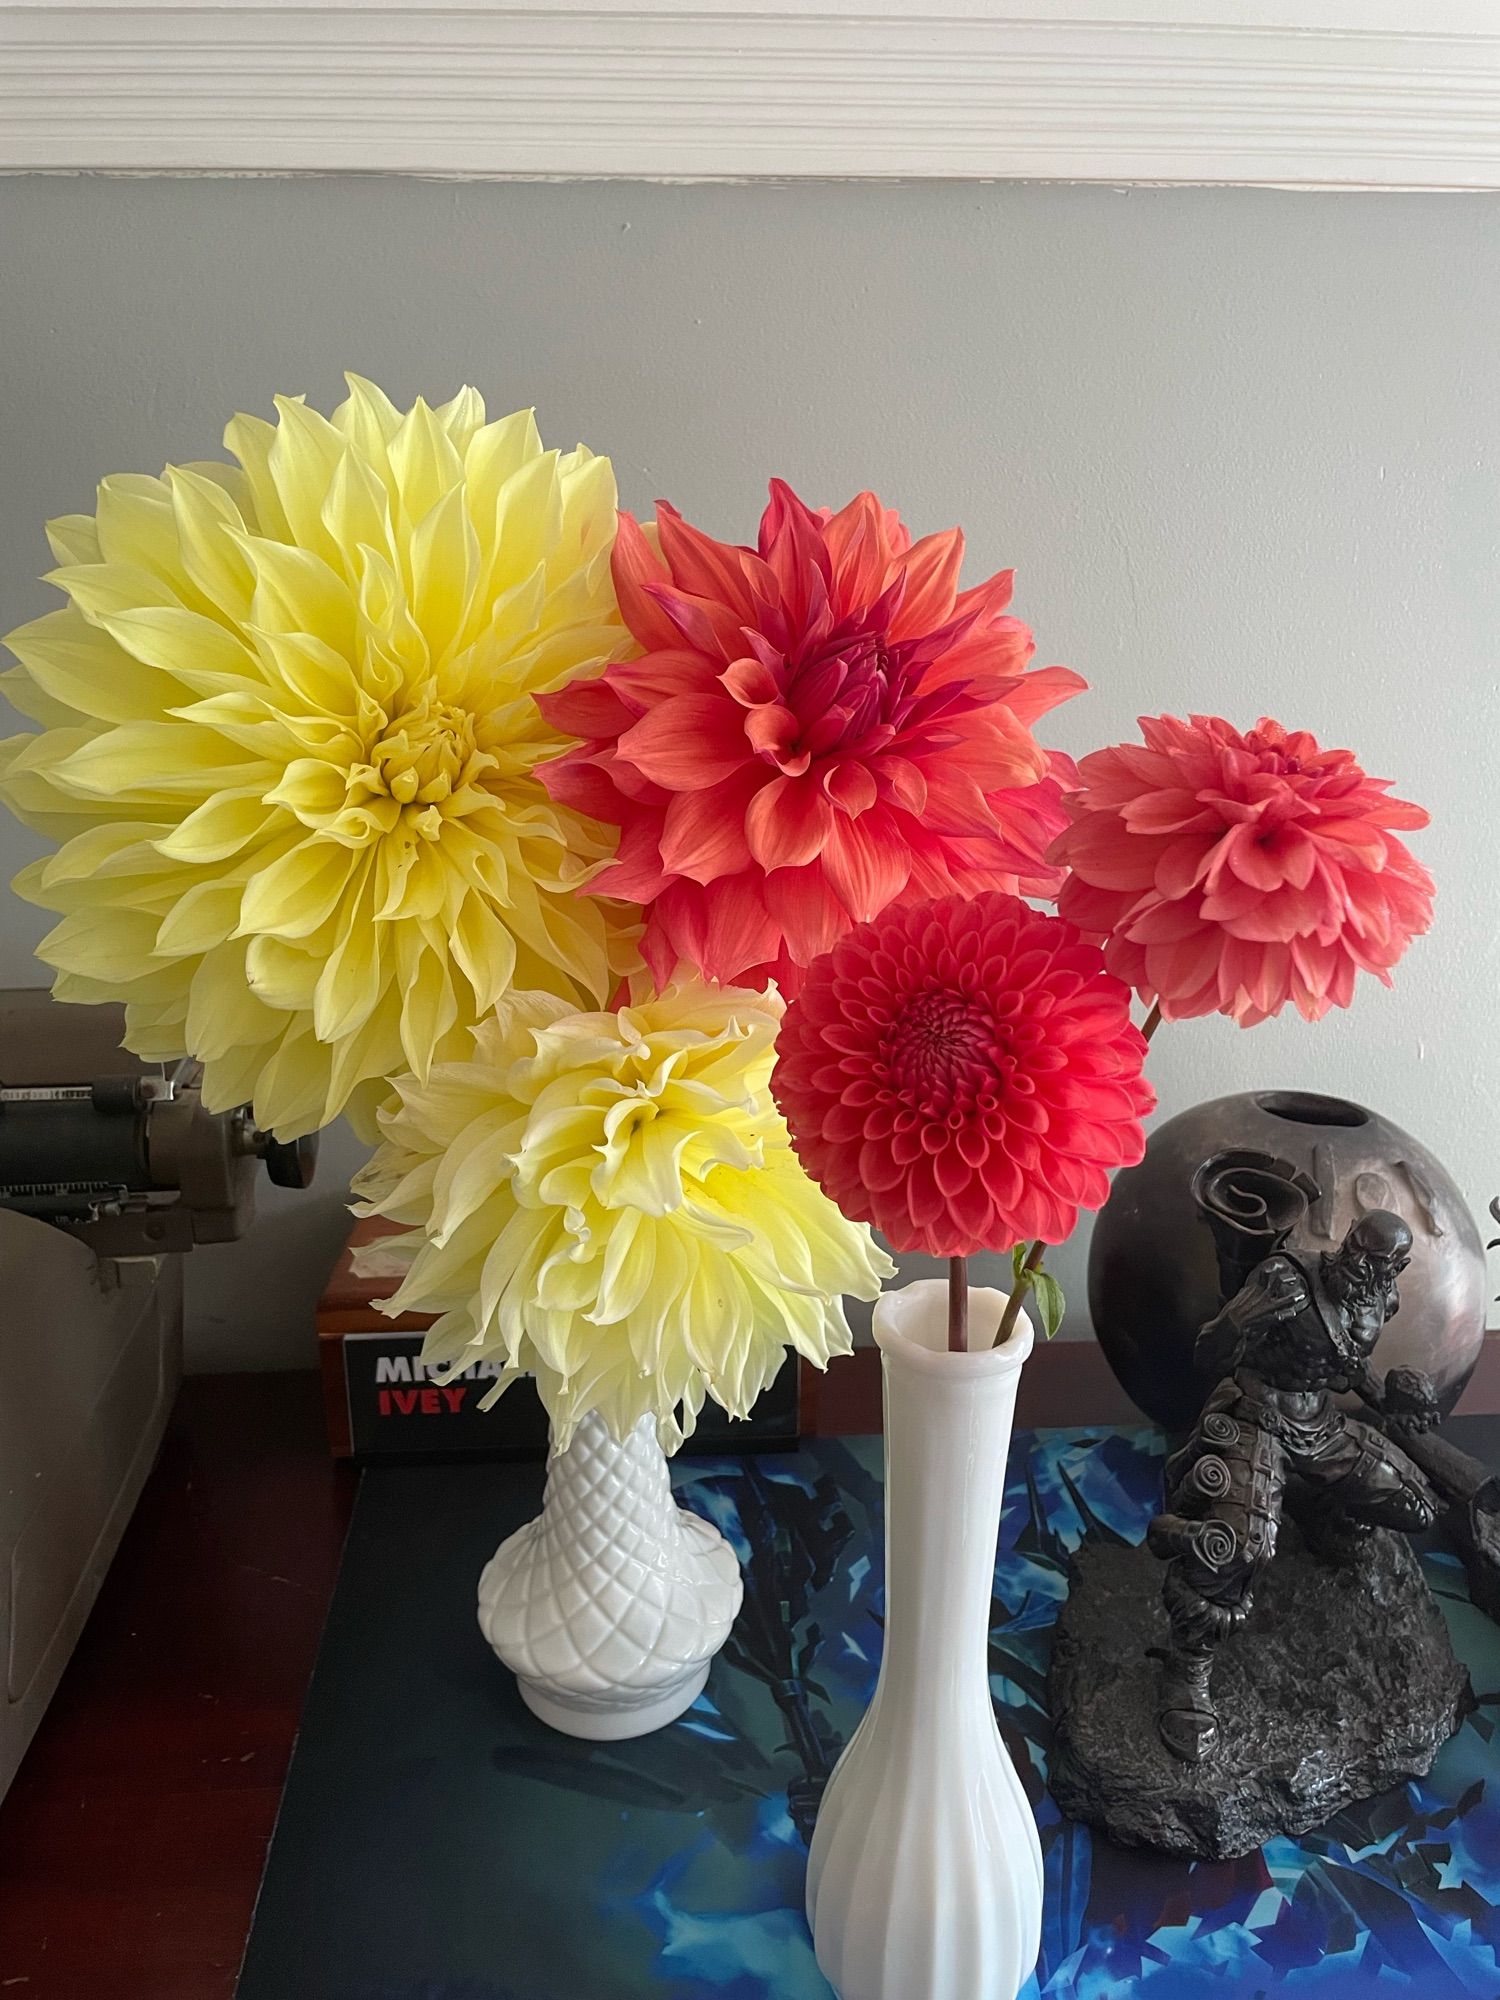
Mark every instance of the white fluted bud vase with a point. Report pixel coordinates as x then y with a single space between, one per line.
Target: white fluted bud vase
925 1877
611 1604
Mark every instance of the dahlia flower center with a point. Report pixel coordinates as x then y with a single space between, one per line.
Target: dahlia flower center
941 1055
833 698
1273 757
424 755
420 759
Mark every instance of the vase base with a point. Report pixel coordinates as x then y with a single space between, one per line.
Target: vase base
614 1719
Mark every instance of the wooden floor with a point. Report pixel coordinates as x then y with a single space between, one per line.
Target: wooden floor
132 1840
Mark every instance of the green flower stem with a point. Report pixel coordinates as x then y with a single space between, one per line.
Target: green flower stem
1018 1291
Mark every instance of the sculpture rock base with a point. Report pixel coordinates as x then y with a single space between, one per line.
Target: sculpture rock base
1342 1683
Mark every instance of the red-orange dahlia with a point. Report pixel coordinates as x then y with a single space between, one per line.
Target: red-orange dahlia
964 1075
1233 873
816 727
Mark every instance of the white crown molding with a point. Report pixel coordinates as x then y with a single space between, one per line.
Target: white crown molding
1321 93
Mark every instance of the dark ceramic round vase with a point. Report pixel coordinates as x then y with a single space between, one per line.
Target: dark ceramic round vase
1153 1269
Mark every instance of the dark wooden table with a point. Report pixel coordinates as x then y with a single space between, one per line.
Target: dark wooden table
132 1840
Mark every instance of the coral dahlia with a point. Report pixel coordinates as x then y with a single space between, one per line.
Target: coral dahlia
1231 873
289 743
817 727
964 1075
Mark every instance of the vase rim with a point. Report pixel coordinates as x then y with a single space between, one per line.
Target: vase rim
911 1328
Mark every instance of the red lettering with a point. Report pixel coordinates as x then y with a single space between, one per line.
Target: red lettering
385 1402
405 1401
430 1403
454 1398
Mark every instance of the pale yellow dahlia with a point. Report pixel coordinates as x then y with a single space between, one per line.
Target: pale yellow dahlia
289 743
610 1202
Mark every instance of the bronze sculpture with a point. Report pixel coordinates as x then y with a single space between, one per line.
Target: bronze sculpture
1182 1721
1298 1331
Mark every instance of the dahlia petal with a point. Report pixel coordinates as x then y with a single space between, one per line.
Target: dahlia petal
990 598
1353 840
1398 815
867 864
811 917
973 1213
484 950
1149 922
657 676
1095 911
843 1123
787 823
860 551
773 731
1254 860
674 933
586 784
1182 865
586 708
740 933
924 1198
686 744
1231 903
951 1170
703 834
791 542
1106 856
852 788
636 567
751 682
1279 917
704 567
295 894
929 571
636 873
878 1171
1168 811
905 781
1041 689
1298 857
710 629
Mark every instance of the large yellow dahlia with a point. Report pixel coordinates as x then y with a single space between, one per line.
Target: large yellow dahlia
289 742
610 1201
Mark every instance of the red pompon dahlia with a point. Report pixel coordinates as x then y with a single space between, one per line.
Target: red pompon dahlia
964 1075
1233 873
816 728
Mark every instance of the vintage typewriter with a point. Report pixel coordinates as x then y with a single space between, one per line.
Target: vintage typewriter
110 1168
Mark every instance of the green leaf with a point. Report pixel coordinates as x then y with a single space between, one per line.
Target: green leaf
1018 1263
1049 1300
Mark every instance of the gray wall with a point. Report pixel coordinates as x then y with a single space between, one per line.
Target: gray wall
1242 447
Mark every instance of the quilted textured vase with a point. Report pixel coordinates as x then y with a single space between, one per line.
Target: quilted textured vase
925 1876
611 1604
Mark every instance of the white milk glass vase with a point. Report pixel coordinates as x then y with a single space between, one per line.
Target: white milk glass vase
925 1876
611 1604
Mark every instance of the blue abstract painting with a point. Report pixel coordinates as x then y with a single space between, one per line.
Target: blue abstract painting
701 1890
